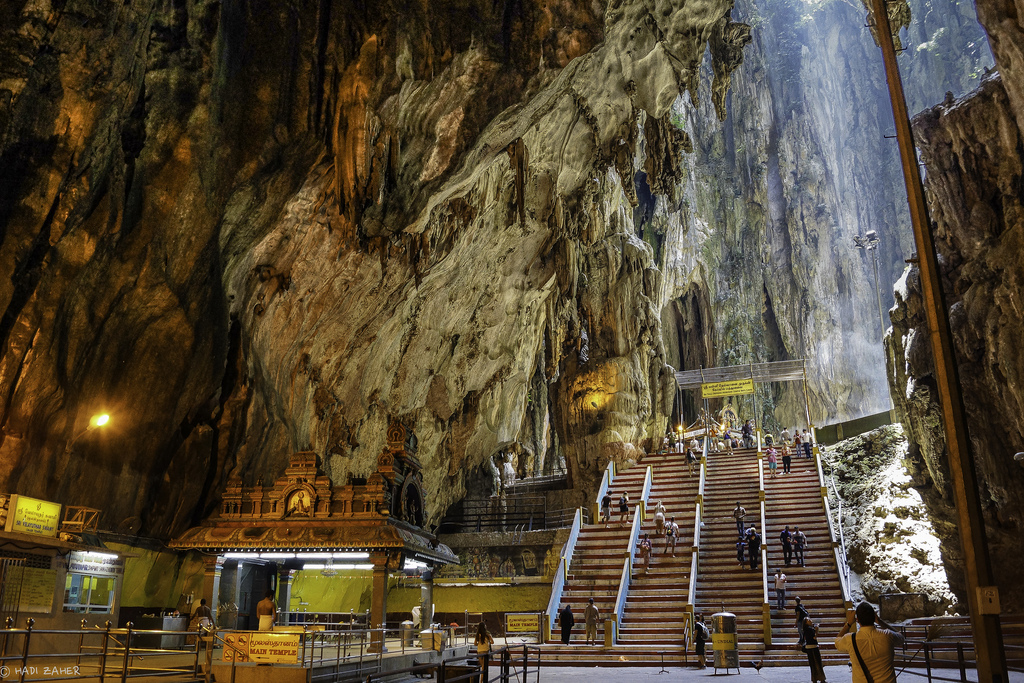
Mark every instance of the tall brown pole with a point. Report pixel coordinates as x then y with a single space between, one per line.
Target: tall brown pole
988 639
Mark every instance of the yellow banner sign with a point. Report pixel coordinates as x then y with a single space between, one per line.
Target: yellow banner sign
37 588
736 387
522 623
30 516
723 641
259 646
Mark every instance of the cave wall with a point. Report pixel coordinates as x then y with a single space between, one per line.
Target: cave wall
762 220
244 230
972 149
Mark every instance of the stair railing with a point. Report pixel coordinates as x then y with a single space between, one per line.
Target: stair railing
840 555
562 573
646 491
845 568
698 516
626 577
766 607
606 484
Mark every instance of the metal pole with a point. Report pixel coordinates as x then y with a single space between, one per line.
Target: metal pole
24 652
127 649
987 633
807 404
878 294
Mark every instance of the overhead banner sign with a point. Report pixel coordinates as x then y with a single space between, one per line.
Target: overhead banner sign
95 563
736 387
31 516
259 646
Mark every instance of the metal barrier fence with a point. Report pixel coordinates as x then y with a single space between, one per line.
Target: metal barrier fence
107 653
503 665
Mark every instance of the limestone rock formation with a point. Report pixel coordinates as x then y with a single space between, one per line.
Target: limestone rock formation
971 148
891 544
247 229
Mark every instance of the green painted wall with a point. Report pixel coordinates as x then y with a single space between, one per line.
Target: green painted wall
159 578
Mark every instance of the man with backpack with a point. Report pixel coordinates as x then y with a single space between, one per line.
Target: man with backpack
701 635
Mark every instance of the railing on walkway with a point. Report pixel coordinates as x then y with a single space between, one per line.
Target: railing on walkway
944 655
646 491
766 606
105 653
606 485
838 546
562 573
503 665
506 513
691 591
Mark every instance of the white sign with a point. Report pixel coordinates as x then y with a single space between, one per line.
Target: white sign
95 563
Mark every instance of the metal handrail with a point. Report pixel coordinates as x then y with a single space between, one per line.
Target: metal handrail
646 491
558 582
625 578
766 606
698 517
606 483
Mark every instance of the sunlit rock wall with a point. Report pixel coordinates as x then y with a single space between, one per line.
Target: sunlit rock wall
757 240
890 540
972 151
245 229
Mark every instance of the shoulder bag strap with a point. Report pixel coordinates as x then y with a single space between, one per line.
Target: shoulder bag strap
860 660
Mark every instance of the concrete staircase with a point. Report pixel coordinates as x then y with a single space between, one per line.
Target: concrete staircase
596 566
722 583
795 500
655 611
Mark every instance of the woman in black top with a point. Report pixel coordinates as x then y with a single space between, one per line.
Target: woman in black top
813 653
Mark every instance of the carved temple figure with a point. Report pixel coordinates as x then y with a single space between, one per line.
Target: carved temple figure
495 477
508 471
299 503
728 416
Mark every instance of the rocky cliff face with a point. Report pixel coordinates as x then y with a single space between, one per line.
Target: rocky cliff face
757 241
972 149
248 229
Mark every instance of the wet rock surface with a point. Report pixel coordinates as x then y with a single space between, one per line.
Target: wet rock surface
891 544
971 147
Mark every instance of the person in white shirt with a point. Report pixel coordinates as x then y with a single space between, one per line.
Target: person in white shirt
671 533
876 646
780 590
659 520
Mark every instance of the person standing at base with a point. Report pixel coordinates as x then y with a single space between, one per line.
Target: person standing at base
566 621
801 617
266 612
870 648
483 641
813 652
700 636
590 616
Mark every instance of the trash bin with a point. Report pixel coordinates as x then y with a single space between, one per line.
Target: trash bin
723 641
408 637
432 639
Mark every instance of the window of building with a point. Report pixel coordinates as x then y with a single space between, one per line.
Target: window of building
88 593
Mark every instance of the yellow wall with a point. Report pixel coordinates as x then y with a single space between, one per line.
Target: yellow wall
159 578
350 590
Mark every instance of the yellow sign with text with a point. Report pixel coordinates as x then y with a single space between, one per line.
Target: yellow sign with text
723 641
522 623
30 516
258 646
736 387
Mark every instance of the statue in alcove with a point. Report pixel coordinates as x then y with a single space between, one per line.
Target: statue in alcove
508 470
495 477
728 416
299 503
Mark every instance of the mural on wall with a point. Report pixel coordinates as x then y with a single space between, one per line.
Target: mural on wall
484 563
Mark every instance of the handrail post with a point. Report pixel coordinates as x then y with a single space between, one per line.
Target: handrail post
24 650
928 662
81 645
960 660
103 654
127 650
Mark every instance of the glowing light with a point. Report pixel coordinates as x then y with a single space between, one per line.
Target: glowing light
99 420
